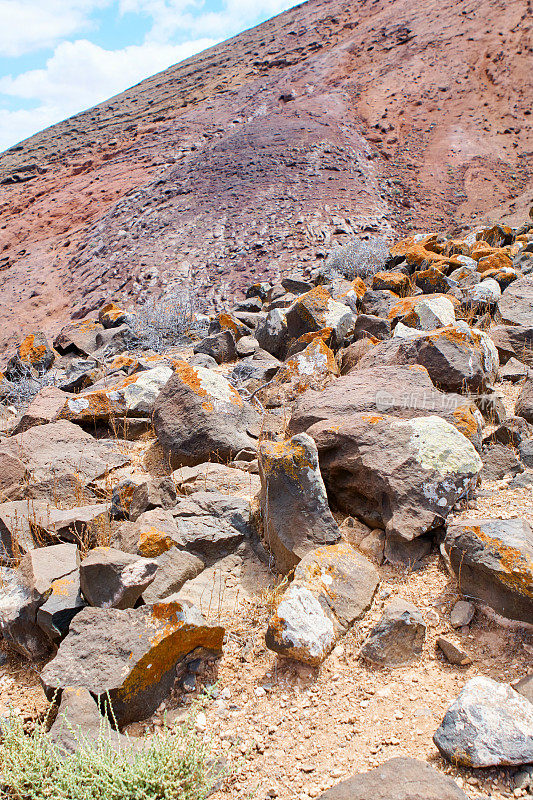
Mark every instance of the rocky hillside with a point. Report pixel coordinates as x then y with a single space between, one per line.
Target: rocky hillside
315 504
333 119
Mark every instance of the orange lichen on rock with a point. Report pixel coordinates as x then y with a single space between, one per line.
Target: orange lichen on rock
517 566
153 542
496 260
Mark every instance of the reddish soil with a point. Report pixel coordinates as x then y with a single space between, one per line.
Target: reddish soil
335 118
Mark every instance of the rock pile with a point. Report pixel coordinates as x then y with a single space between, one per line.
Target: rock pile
254 450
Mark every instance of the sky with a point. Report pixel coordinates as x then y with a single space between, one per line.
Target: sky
58 57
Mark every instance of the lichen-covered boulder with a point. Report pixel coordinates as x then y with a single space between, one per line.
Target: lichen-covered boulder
316 310
34 356
401 475
130 657
457 358
402 391
111 315
488 725
493 562
294 505
333 587
198 415
429 313
132 396
312 368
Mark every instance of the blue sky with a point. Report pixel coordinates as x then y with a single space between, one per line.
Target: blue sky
58 57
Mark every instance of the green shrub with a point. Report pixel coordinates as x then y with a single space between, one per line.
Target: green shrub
173 763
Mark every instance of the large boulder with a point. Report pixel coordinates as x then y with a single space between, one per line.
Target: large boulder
34 357
199 414
78 338
62 458
401 475
515 306
129 658
333 587
271 333
488 725
294 505
212 524
402 391
457 358
313 367
397 779
493 562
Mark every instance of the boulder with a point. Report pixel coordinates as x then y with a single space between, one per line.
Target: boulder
43 573
130 658
512 431
524 686
350 356
34 357
397 779
405 392
524 401
379 302
62 458
315 311
78 338
199 414
131 396
314 367
220 346
13 477
153 532
174 568
514 341
488 725
514 371
397 282
429 313
397 638
462 614
271 333
493 562
294 505
45 407
457 358
110 578
150 494
401 475
111 316
368 325
499 461
212 524
515 306
301 628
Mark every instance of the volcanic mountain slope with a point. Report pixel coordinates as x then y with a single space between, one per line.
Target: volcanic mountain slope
332 119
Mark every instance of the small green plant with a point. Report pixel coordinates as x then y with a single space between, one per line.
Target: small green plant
175 763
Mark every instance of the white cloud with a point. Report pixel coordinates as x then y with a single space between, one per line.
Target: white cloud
79 75
28 25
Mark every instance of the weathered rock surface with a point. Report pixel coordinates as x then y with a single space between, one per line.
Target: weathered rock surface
524 402
516 303
211 476
488 725
110 578
402 391
397 779
294 504
198 414
397 638
129 656
61 455
493 562
401 475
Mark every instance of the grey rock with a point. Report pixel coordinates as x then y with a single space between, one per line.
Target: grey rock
397 638
130 657
294 505
524 402
499 461
110 578
397 779
492 560
453 653
211 476
220 346
516 303
487 725
525 687
153 493
174 569
462 614
514 370
400 551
